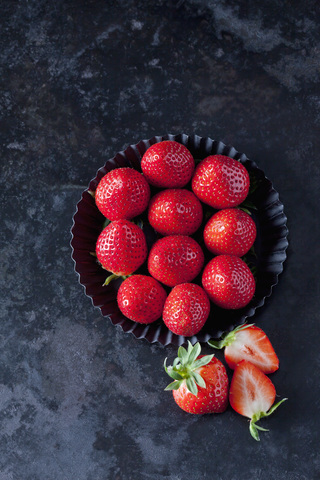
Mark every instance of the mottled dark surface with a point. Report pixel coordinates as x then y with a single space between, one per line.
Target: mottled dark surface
81 80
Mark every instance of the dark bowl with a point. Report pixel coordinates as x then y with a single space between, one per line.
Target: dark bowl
267 259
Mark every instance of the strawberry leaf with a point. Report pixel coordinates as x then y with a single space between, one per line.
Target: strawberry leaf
174 385
192 386
202 361
274 407
195 352
199 380
105 223
183 355
254 431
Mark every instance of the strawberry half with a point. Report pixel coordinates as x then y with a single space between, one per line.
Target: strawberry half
186 309
200 382
248 342
175 259
141 298
221 182
228 282
168 164
121 248
175 212
230 231
122 193
252 394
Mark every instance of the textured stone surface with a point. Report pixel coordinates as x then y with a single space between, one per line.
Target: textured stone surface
81 80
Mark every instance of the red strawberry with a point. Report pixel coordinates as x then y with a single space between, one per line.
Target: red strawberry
252 394
121 248
122 193
191 369
186 309
175 259
221 182
231 231
141 298
175 211
228 281
168 164
248 342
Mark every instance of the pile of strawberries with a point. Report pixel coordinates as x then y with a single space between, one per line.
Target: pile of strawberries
176 258
175 212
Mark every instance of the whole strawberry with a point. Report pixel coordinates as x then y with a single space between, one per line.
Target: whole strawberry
230 231
121 248
175 259
221 182
248 342
168 164
186 309
175 211
200 382
122 193
228 281
252 394
141 298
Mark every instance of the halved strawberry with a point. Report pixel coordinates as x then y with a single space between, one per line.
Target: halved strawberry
248 342
200 381
252 394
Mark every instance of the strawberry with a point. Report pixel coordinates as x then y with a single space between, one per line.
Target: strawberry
228 281
175 259
168 164
248 342
121 248
186 309
252 394
122 193
200 381
230 231
221 182
141 298
175 211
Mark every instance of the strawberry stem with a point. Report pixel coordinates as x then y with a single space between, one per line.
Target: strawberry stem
109 279
228 338
257 416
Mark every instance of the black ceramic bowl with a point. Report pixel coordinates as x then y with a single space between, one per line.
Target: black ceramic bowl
267 260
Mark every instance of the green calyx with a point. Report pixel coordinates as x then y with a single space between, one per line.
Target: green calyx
254 428
228 338
113 276
185 366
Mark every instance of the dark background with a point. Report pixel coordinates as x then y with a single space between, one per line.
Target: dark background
81 80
